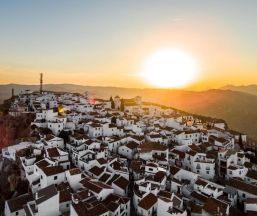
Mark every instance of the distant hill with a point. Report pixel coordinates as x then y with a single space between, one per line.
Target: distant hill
99 91
237 108
250 89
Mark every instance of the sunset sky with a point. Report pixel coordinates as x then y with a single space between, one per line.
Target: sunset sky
106 42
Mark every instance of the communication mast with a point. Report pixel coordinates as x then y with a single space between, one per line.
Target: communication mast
41 83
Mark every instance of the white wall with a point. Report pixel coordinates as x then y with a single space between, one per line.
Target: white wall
49 207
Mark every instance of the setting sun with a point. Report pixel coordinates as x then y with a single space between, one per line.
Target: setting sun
169 68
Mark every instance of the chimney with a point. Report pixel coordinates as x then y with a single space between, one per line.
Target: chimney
218 210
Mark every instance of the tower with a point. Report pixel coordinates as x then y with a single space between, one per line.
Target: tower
41 83
12 92
117 102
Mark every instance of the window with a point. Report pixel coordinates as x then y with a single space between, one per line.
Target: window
55 177
207 172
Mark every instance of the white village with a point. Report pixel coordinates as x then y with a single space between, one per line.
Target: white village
118 157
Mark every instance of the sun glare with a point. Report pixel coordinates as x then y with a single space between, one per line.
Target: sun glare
169 68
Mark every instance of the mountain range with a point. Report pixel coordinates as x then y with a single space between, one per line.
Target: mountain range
250 89
236 105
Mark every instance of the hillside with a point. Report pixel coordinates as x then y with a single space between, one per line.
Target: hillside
238 109
250 89
14 128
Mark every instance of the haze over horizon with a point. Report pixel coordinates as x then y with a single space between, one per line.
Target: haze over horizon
223 87
105 44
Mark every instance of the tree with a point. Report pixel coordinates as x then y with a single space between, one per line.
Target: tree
4 108
112 103
122 105
240 142
113 120
33 127
65 135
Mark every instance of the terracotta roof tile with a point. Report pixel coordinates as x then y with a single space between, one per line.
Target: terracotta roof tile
53 170
121 182
148 201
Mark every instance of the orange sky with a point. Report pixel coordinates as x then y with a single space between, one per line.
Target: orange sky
108 47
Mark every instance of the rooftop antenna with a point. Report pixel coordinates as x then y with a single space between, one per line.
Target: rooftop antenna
41 83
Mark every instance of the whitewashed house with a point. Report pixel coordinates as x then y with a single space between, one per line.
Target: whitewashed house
128 150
